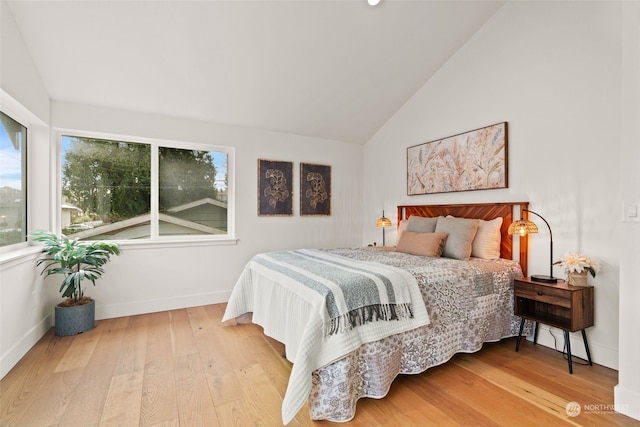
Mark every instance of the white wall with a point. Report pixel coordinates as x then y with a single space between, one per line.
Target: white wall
552 71
156 277
24 314
627 392
20 78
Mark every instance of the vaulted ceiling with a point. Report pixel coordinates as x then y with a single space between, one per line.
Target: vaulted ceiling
336 69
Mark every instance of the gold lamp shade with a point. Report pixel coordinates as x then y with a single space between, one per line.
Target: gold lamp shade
523 227
383 222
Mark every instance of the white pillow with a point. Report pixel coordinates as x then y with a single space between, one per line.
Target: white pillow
486 243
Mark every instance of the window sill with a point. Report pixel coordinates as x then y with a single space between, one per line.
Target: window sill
28 254
174 243
19 256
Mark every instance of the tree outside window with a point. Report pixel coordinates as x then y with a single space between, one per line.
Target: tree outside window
107 190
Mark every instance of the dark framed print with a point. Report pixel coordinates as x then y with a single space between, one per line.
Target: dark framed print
275 188
315 189
474 160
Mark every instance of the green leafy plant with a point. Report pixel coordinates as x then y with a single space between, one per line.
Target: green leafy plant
76 260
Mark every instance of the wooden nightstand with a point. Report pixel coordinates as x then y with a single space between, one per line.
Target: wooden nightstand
569 308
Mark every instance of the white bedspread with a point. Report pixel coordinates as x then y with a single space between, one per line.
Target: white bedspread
295 315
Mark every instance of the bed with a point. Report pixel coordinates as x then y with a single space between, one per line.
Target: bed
353 319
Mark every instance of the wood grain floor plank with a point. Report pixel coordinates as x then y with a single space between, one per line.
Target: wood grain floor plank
548 402
26 380
238 348
195 405
592 380
235 414
79 352
88 398
159 401
123 403
182 339
48 406
174 422
184 368
378 413
417 407
263 399
223 384
465 399
134 346
588 386
276 366
502 405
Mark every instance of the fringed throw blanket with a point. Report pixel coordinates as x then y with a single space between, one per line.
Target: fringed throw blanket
322 306
354 292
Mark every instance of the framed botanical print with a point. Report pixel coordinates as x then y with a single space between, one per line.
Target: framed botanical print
474 160
315 189
275 188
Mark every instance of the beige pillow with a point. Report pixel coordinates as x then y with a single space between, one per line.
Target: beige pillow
461 233
423 244
419 224
486 243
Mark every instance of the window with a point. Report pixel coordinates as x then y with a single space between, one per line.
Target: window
119 190
192 191
13 181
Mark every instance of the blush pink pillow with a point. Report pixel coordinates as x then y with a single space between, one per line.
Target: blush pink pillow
423 244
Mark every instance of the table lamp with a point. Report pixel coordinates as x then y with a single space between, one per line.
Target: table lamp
524 227
383 222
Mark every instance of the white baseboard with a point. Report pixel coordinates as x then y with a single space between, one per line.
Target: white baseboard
627 402
111 311
12 356
601 355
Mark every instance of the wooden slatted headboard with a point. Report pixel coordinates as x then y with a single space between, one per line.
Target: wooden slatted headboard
486 211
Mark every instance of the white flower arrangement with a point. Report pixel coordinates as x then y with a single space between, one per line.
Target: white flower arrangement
574 262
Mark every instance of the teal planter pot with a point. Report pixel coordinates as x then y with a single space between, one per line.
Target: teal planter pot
75 320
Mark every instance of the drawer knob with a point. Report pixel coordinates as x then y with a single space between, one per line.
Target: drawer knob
539 292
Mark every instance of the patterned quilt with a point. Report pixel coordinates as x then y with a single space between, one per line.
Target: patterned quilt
468 303
293 311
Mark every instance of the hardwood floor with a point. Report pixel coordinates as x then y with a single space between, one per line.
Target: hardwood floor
182 368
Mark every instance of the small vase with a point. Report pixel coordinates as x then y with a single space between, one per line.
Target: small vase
577 279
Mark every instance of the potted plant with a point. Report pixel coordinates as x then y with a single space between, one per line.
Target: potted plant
76 261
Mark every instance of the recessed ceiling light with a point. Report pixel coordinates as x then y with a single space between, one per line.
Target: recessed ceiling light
373 2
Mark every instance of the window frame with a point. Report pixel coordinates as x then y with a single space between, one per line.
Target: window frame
14 112
155 143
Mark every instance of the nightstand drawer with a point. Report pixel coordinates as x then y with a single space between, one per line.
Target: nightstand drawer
545 294
566 307
569 308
